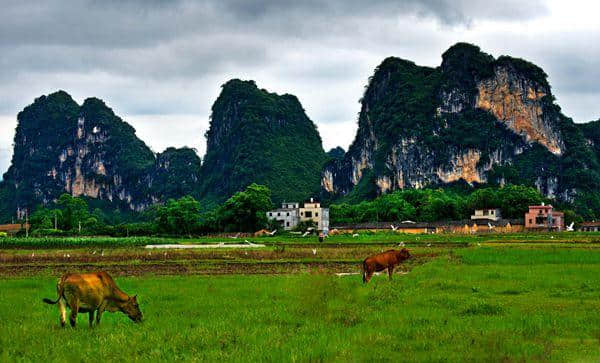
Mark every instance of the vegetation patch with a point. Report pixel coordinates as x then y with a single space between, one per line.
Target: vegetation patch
483 308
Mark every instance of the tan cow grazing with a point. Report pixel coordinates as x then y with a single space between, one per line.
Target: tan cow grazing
93 292
385 260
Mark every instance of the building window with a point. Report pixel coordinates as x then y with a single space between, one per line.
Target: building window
288 214
270 214
287 224
316 214
301 213
491 212
278 214
530 221
308 214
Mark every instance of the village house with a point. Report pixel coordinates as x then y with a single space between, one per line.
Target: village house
458 227
589 227
13 228
487 214
290 214
544 217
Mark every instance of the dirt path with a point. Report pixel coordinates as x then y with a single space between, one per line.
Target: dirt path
182 268
182 262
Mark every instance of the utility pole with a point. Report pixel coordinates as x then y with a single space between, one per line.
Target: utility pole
79 227
55 221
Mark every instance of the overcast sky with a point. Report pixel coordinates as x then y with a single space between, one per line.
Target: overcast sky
160 64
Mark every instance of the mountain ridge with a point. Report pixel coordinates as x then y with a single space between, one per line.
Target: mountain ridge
474 118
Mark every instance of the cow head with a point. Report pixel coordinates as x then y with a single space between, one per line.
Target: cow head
403 254
132 309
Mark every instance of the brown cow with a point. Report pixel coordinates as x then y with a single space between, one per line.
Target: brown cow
385 260
88 293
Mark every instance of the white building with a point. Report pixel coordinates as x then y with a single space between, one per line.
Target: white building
488 214
290 214
287 215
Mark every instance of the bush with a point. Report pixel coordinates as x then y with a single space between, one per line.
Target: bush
304 226
48 232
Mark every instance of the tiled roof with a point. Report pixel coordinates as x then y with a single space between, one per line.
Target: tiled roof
590 224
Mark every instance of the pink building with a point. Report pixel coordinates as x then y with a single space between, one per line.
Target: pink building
544 217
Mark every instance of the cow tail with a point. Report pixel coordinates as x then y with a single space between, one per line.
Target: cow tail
59 289
48 301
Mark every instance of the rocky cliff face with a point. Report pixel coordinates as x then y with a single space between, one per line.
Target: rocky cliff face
62 147
260 137
518 101
474 118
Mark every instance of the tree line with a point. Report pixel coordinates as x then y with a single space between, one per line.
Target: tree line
246 211
430 205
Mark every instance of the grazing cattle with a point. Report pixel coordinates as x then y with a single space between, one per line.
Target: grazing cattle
93 292
385 260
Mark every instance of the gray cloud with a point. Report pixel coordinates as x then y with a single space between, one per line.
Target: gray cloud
135 23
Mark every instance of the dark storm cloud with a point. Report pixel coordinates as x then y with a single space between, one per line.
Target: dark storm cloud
142 23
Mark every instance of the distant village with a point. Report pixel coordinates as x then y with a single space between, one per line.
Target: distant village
539 218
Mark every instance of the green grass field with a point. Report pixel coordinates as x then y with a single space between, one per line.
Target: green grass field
469 304
363 238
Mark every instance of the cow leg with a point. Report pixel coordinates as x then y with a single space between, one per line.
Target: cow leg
99 313
74 305
368 276
62 308
390 271
91 318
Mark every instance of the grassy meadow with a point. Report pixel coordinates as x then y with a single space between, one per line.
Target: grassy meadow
467 304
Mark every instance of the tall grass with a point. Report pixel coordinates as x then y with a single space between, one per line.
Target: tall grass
77 242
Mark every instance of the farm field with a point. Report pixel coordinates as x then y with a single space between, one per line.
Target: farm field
481 303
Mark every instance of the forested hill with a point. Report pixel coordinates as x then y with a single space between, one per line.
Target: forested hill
475 119
86 150
260 137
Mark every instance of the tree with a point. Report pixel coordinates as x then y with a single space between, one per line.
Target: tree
44 218
514 200
246 211
180 216
74 211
